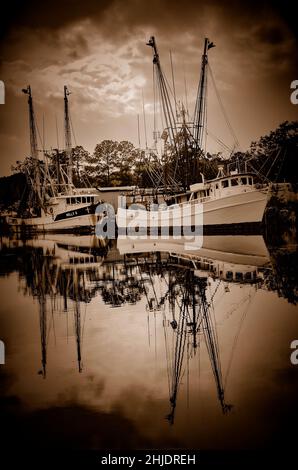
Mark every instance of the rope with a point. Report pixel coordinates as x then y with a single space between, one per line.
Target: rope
223 109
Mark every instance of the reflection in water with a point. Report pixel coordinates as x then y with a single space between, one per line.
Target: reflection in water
183 288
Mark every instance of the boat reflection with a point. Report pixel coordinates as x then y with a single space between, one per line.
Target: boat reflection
65 272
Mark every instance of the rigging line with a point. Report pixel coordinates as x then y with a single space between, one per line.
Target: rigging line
57 131
43 133
139 137
72 130
212 347
219 141
282 163
236 338
173 81
168 357
84 321
273 163
39 135
223 108
179 348
154 100
266 160
144 118
205 114
185 90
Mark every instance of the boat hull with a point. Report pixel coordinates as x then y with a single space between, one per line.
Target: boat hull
243 208
84 222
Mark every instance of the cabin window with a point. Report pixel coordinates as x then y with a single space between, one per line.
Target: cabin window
207 192
225 183
216 186
243 180
229 275
249 180
73 200
239 276
234 182
92 199
83 199
248 276
68 200
78 200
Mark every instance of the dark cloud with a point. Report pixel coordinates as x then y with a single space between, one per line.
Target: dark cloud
271 34
98 48
134 13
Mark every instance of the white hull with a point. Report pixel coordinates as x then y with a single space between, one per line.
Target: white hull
47 224
246 207
235 209
238 249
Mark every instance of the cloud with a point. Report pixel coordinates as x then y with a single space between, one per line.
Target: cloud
99 50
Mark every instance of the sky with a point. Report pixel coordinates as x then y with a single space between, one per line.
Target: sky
98 49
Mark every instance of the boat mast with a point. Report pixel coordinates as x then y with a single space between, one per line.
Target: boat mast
33 143
164 94
200 107
211 341
170 130
67 136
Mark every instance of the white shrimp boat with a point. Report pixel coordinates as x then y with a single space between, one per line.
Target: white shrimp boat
56 204
64 212
225 200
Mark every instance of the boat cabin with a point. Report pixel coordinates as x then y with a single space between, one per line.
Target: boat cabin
81 197
222 187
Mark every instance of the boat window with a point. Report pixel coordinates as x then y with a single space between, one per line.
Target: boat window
225 183
243 181
83 199
73 200
247 276
234 182
216 186
92 199
249 180
239 276
229 275
68 200
78 200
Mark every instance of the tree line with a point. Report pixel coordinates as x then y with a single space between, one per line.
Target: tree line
114 163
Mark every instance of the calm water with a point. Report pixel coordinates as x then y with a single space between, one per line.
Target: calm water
135 344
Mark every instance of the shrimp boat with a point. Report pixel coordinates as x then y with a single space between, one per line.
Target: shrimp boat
232 197
225 200
55 203
63 212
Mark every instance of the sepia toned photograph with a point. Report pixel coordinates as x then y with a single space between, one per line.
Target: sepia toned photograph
148 233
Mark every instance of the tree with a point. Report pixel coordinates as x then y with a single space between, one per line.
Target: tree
113 164
275 155
103 164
